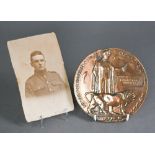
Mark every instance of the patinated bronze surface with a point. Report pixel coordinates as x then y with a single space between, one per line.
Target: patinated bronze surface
110 85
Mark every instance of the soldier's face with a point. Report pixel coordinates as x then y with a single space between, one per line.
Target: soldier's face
38 62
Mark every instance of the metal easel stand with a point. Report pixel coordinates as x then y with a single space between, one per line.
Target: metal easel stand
41 122
66 116
127 117
95 118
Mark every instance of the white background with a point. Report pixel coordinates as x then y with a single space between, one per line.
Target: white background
90 144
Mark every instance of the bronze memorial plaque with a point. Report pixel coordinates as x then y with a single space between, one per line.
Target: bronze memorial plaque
110 85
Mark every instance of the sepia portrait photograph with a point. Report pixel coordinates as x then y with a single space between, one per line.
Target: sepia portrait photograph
41 76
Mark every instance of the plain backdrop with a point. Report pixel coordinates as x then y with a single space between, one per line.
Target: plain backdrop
77 40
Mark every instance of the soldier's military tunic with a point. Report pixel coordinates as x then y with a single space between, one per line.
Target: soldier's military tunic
43 83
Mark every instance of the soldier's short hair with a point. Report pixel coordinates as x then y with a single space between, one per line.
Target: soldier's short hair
35 53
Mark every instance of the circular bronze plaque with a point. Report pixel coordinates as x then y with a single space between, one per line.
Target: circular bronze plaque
110 85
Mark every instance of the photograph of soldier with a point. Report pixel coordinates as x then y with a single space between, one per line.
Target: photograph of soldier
41 76
42 82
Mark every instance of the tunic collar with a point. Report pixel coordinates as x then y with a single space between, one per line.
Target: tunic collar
40 73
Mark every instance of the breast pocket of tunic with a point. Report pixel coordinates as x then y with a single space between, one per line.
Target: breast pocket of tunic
56 86
41 90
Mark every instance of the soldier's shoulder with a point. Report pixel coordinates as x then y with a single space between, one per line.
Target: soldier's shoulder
53 73
30 79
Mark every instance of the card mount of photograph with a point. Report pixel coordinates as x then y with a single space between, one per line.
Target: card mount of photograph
42 80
